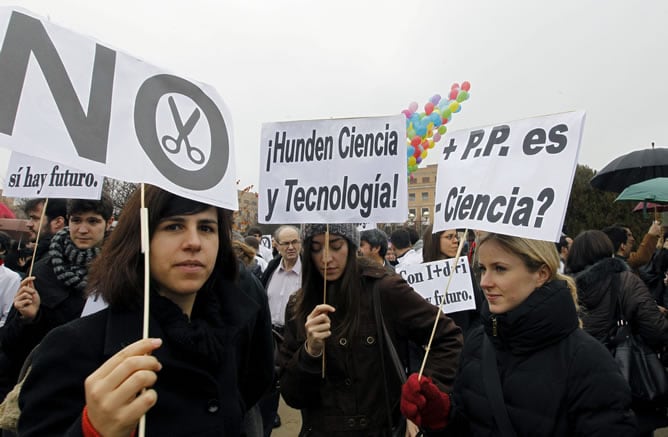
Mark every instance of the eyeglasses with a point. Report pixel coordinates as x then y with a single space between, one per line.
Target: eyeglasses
293 243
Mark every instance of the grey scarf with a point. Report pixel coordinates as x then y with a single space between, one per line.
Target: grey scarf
69 263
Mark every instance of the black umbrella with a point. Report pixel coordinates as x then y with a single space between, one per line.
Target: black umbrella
632 168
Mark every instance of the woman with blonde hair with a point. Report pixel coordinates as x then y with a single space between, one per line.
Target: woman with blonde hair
529 369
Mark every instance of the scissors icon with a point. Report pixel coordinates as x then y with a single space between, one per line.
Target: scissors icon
195 154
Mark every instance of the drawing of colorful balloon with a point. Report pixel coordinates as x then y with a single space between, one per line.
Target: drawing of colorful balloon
425 129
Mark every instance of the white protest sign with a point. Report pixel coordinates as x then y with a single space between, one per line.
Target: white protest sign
28 176
69 99
266 241
333 171
430 280
512 178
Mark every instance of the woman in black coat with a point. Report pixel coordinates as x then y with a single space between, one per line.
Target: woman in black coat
209 357
601 279
554 379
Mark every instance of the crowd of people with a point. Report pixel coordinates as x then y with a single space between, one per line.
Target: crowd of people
321 319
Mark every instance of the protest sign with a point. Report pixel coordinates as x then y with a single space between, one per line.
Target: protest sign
265 241
333 171
513 178
29 176
69 99
430 280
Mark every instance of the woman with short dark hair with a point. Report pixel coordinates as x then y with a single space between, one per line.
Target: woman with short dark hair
210 354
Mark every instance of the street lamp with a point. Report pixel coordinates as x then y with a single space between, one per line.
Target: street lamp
425 220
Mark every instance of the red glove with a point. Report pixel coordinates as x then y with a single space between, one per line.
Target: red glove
424 404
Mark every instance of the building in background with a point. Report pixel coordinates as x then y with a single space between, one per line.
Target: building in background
421 196
247 214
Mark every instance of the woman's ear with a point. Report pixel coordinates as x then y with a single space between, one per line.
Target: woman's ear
544 275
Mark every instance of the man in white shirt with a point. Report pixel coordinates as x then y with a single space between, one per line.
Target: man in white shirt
403 250
374 244
283 274
281 278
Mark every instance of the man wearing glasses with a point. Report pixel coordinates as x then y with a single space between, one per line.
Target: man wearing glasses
282 277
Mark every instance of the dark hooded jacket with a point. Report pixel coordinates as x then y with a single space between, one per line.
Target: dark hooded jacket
595 284
556 379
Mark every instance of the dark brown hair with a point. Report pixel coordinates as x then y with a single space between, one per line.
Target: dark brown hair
587 248
117 274
431 249
343 294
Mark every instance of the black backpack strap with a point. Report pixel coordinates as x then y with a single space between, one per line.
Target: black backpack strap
492 382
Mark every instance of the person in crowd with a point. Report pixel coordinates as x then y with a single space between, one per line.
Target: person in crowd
263 251
655 273
9 279
601 279
416 241
444 245
390 256
254 243
342 330
470 245
281 278
209 355
54 220
373 244
646 248
54 294
624 247
554 378
621 241
563 246
246 255
403 249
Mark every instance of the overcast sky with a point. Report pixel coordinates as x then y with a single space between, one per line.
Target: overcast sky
291 60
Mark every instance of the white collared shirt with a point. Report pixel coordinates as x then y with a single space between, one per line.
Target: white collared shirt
279 288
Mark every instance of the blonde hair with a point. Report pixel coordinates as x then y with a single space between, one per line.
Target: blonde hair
535 254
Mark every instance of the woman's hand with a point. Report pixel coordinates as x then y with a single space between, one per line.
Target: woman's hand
411 429
118 394
27 299
423 403
318 328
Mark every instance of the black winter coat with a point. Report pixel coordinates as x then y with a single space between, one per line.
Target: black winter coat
595 284
351 399
556 379
194 398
